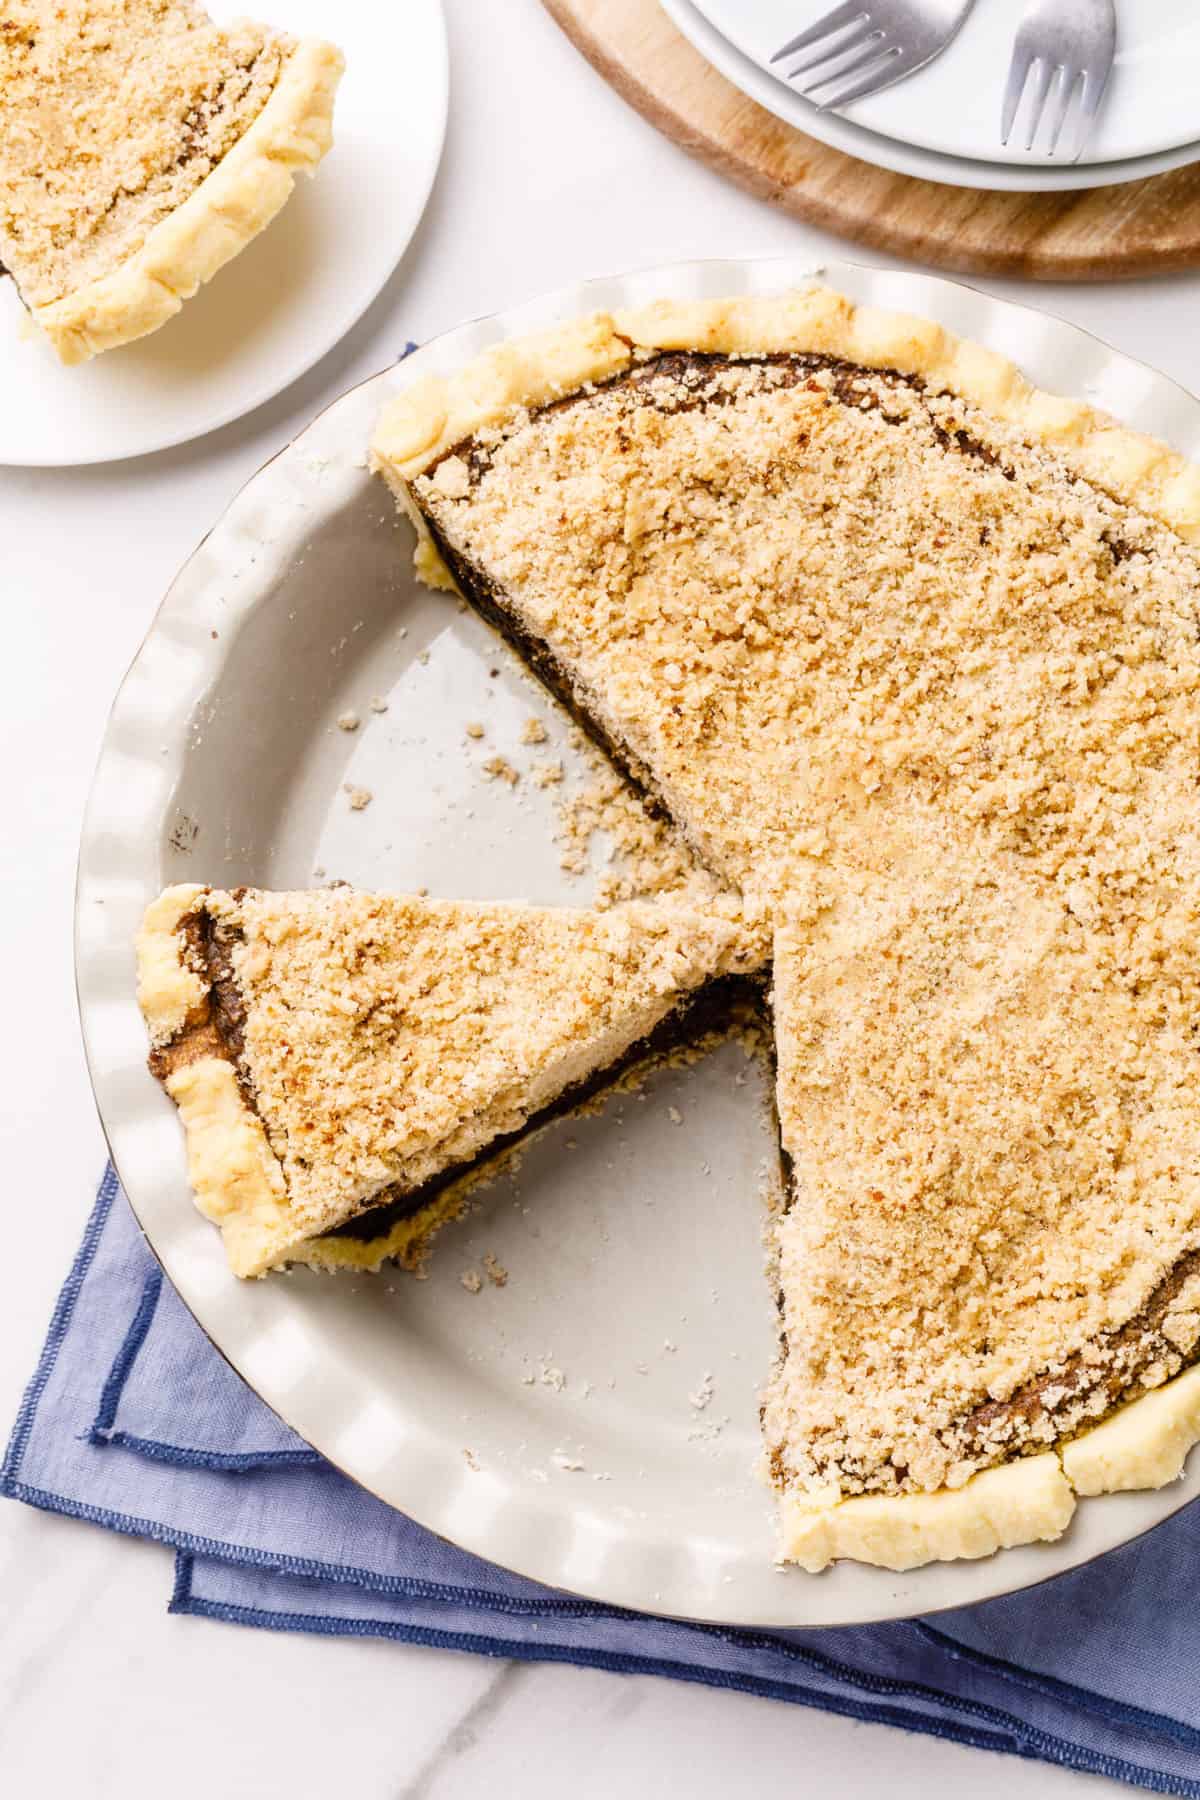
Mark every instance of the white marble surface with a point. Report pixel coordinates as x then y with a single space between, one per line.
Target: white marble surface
547 177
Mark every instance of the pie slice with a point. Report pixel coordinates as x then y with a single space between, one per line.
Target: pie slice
911 653
141 147
341 1061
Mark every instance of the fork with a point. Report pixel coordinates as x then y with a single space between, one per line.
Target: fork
869 44
1063 43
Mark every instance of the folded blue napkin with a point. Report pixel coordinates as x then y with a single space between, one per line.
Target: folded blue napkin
133 1421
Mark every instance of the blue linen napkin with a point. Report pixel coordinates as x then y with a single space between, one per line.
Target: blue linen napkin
134 1422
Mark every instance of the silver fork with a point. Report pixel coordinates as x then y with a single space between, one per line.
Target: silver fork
1067 44
866 45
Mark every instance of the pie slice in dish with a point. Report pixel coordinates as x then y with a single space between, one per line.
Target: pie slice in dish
911 653
142 146
344 1060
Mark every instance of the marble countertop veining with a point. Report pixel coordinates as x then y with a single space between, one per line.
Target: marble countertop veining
547 178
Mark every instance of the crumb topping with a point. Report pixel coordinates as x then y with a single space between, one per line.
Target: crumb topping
802 600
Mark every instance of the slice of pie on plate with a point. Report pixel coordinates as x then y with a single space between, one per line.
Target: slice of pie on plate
141 147
911 653
344 1060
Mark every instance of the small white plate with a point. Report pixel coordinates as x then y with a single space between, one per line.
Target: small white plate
853 135
289 297
558 1425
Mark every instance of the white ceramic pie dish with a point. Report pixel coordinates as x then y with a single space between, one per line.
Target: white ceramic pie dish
553 1425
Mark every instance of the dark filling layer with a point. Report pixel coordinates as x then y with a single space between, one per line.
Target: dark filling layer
713 1011
1129 1350
208 946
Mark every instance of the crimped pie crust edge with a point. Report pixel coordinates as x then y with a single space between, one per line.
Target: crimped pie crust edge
230 207
424 421
1143 1444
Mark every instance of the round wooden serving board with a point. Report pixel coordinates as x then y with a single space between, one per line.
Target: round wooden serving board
1100 234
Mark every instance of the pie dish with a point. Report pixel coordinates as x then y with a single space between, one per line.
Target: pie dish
142 148
909 650
343 1062
391 1377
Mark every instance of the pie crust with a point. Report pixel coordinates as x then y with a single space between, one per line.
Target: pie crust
230 207
425 445
1143 1445
1023 1502
424 421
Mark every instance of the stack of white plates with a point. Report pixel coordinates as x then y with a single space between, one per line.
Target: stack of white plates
943 123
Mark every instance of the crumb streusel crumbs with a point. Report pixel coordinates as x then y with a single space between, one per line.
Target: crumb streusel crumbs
791 657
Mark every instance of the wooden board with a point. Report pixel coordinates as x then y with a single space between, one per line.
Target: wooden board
1104 233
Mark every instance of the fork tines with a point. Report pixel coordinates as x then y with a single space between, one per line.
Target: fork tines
846 43
1045 103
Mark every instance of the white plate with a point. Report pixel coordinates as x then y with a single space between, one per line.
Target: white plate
222 761
291 294
853 136
953 106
